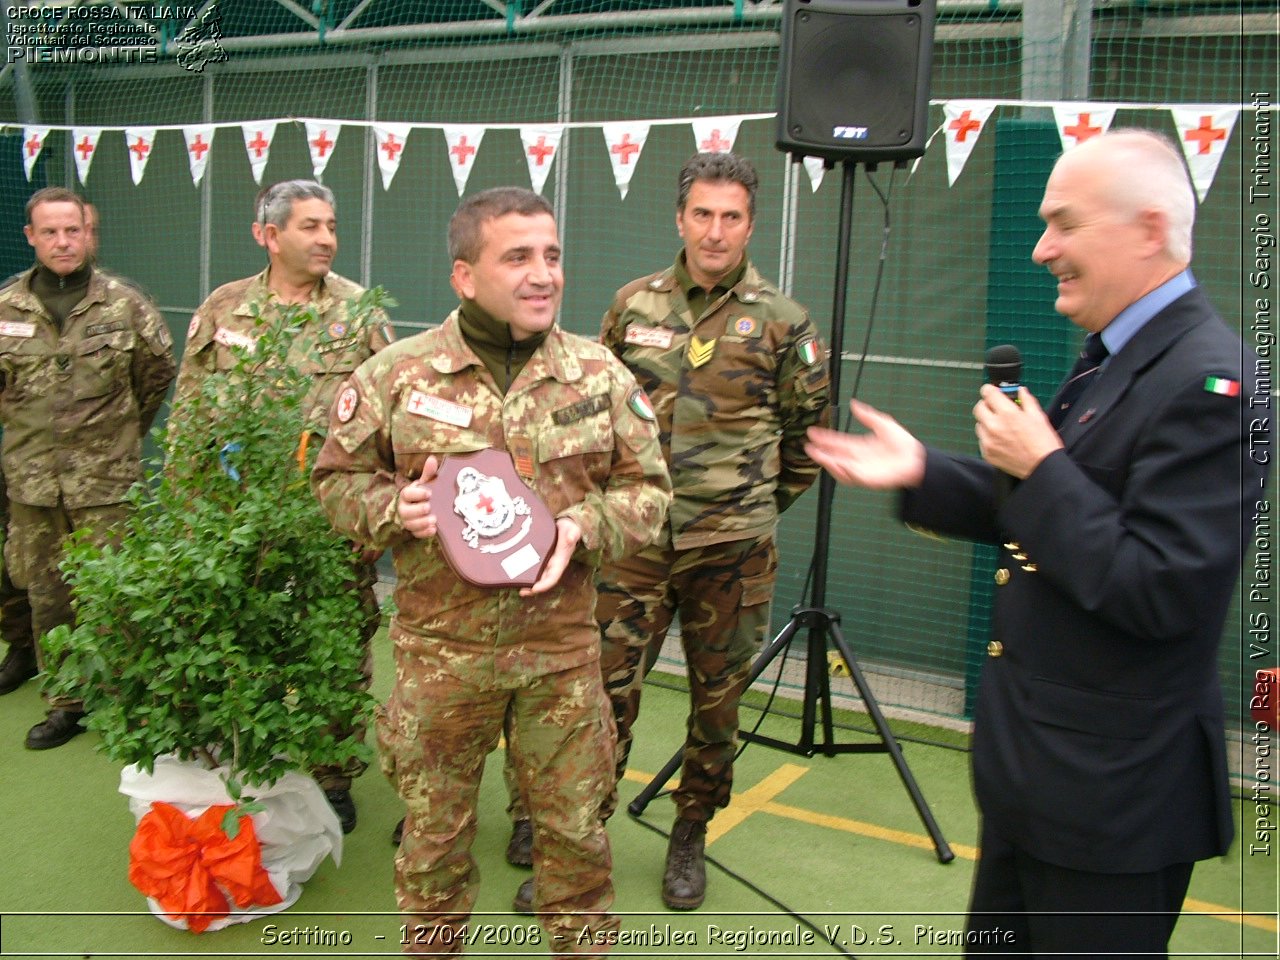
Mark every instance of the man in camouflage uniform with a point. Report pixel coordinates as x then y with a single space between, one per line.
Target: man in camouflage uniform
737 374
498 374
85 361
299 231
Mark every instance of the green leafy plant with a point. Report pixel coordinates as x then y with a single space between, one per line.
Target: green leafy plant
223 627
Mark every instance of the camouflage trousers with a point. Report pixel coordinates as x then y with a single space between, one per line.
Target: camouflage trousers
336 777
434 734
32 552
722 594
15 608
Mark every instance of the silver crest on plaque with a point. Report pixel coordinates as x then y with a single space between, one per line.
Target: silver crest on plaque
489 511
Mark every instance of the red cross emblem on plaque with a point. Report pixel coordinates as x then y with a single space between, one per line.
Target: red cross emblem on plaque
141 148
84 148
258 143
1206 134
715 143
33 145
1082 131
624 148
963 125
541 150
462 150
392 146
322 143
198 147
347 404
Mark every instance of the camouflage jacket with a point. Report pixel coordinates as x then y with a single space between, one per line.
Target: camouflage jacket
75 403
327 352
583 438
734 391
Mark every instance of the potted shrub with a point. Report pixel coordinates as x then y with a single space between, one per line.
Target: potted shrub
217 644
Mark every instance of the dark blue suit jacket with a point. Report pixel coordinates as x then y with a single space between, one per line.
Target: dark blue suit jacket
1099 733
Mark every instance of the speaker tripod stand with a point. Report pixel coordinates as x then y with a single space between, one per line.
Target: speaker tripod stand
823 623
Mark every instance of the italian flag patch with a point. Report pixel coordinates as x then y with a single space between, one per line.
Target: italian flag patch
640 405
1223 386
808 350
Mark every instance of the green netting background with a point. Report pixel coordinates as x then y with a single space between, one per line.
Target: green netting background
958 276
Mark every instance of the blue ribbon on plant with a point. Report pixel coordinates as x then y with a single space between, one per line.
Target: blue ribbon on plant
227 467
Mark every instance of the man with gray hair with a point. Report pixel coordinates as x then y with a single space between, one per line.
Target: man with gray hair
297 224
1099 759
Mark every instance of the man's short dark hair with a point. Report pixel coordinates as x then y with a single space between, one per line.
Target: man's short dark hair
466 237
276 205
718 168
53 195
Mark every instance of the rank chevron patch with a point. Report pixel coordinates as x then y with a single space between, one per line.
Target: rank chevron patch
700 352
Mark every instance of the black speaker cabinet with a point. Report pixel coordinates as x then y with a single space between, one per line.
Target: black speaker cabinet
853 78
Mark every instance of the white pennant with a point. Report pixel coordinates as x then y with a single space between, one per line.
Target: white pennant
84 147
1078 122
199 140
321 137
715 134
816 167
32 143
624 141
541 144
462 142
139 141
390 138
965 121
1204 139
257 143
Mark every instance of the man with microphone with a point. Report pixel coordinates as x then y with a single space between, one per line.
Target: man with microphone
1099 760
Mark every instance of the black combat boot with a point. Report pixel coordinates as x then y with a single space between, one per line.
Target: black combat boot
684 885
520 847
18 667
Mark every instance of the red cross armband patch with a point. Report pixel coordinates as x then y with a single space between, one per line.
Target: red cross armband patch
348 402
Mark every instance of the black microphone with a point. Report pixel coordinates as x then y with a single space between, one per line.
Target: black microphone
1004 369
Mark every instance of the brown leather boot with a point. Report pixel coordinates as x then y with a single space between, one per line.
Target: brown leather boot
684 885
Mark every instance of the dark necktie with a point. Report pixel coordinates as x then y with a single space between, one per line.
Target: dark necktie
1082 374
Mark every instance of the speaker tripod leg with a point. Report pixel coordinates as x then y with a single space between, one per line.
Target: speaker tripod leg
940 845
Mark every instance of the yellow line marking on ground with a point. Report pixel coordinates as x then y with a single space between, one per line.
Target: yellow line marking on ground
760 799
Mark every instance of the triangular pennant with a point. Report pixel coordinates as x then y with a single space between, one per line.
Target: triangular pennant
964 124
541 144
1078 122
199 141
390 138
84 148
139 141
816 167
1204 139
715 134
462 142
257 143
624 141
321 137
32 143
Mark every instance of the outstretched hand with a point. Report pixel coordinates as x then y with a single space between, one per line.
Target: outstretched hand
887 457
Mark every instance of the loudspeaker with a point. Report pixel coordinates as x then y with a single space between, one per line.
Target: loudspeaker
853 78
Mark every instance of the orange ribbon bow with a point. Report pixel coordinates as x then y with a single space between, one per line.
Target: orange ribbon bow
185 865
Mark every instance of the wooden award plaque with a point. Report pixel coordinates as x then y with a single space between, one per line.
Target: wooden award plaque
494 530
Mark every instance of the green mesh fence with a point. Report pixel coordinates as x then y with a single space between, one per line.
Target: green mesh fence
958 276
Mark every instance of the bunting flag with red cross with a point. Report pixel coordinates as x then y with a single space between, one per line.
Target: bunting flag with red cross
1203 134
715 134
199 140
964 122
257 143
462 143
624 141
32 143
541 144
139 141
1078 122
84 147
322 135
816 167
390 138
